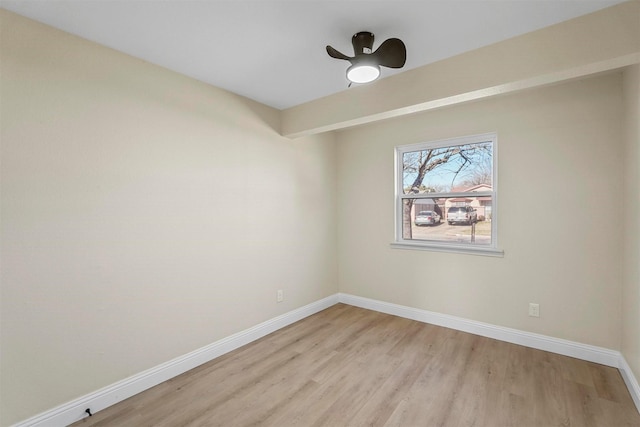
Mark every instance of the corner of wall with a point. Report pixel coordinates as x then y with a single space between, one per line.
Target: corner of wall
630 303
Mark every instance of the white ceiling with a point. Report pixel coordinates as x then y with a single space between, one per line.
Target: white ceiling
274 51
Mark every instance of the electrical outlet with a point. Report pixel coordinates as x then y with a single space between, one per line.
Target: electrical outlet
534 309
280 295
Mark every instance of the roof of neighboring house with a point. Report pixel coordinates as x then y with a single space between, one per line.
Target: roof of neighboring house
479 187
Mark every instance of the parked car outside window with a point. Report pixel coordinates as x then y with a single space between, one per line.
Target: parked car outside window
462 215
427 218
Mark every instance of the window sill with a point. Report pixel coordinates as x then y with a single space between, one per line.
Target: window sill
434 247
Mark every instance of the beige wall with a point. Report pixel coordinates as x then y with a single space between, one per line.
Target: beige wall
560 196
144 215
631 279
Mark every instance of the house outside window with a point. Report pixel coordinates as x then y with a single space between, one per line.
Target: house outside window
446 195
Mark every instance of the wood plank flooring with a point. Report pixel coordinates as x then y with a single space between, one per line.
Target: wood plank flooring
347 366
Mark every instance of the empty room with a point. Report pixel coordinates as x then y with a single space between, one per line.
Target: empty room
320 213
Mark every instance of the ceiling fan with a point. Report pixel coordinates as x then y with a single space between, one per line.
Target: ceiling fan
365 65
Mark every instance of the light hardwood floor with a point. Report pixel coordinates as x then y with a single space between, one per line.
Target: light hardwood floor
347 366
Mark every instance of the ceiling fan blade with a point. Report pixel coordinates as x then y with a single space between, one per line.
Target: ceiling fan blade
335 54
392 53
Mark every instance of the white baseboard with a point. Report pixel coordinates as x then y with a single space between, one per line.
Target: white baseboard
631 381
73 411
586 352
528 339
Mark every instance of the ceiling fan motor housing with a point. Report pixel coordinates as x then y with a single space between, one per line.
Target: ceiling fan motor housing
362 42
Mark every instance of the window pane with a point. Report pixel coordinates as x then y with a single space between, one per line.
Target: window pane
454 220
455 168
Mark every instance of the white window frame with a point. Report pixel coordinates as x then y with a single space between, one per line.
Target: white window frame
400 196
